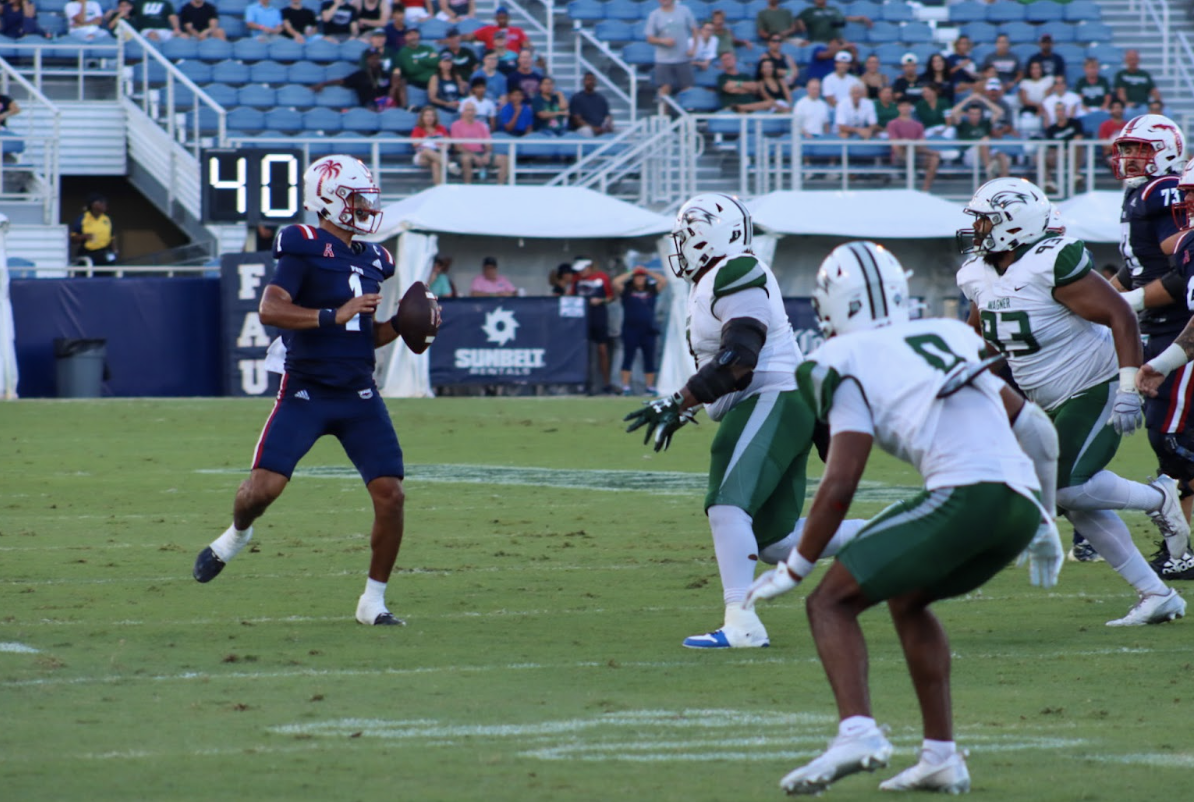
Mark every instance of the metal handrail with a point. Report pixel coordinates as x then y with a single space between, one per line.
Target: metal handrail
82 53
1185 64
118 271
50 146
607 148
630 97
547 30
1160 18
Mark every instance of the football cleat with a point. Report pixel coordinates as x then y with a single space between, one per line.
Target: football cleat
207 565
727 638
1083 552
1169 568
846 755
1153 609
949 776
385 619
1169 518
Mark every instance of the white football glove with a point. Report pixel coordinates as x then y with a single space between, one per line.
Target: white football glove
775 582
1044 556
1125 413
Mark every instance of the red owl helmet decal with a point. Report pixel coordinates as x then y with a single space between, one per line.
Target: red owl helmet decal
341 189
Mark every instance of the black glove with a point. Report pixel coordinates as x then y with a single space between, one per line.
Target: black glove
662 417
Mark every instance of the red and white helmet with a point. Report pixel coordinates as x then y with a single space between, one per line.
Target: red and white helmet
341 189
1149 145
1183 210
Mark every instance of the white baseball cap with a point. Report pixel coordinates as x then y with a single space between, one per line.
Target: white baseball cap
909 58
843 55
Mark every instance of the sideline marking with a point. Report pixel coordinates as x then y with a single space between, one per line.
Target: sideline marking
17 648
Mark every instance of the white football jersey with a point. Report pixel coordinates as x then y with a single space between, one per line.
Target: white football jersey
962 439
1054 354
714 301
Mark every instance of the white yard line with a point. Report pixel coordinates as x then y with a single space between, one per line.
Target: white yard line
17 648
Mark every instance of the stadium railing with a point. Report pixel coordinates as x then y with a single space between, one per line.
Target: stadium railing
1184 71
1157 11
32 177
523 16
54 61
583 38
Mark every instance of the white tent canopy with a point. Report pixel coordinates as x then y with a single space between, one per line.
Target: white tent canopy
1093 216
512 211
867 214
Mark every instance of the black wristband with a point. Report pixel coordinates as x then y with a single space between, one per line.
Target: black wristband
327 317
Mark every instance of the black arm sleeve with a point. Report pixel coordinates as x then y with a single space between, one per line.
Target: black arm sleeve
1124 277
742 338
1174 283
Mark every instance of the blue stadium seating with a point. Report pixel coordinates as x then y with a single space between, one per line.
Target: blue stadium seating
1091 122
336 97
178 49
968 11
268 72
322 51
223 94
215 50
979 31
209 121
326 120
52 23
467 26
233 7
923 51
735 12
286 50
1018 31
1083 11
1092 32
416 97
744 29
1072 54
183 97
362 150
55 6
639 54
306 72
389 149
586 10
1044 11
889 53
285 120
349 51
341 69
433 30
295 96
155 72
707 78
698 99
1025 50
197 71
257 96
897 12
397 121
250 49
1005 12
916 32
1106 54
230 72
234 27
882 32
363 121
615 31
245 119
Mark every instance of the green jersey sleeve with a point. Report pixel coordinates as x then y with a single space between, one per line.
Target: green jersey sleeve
736 275
817 384
1072 263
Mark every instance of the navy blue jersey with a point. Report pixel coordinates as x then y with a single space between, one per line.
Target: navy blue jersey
638 306
1147 220
321 272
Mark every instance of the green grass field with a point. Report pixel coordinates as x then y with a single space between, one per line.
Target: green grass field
545 610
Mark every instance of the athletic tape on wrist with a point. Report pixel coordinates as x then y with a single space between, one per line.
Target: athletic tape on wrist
1169 360
1127 379
799 566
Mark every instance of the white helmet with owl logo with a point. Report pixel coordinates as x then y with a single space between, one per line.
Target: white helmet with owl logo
341 189
1018 211
710 226
860 286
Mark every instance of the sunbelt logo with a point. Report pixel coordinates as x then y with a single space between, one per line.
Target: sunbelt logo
501 328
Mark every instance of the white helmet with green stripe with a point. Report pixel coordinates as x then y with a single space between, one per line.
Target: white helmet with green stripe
860 286
1008 212
708 227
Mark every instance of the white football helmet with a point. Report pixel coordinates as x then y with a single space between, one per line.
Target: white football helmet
1148 146
859 286
1183 211
1018 211
1056 225
341 189
708 226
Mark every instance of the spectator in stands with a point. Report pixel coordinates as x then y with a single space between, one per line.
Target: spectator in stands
491 284
299 22
485 107
438 281
639 292
373 15
430 149
736 91
963 72
1110 127
263 236
1033 90
1051 63
338 20
854 116
785 66
812 114
444 89
526 77
836 86
974 128
263 20
774 21
886 108
670 27
703 47
495 81
822 57
560 279
92 232
8 108
872 78
416 61
1005 62
376 89
910 84
1064 129
396 28
904 127
515 116
590 109
121 12
476 155
593 284
507 59
1134 86
515 37
19 18
932 111
156 20
1094 89
464 59
726 40
417 10
988 104
937 72
771 87
84 18
454 12
201 20
550 109
389 56
822 23
1060 95
1156 107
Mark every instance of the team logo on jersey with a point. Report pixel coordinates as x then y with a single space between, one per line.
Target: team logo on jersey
500 326
327 251
303 395
365 394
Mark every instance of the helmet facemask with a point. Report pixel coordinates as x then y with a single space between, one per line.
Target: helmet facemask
1133 158
360 209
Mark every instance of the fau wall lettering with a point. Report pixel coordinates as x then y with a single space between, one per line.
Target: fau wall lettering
243 277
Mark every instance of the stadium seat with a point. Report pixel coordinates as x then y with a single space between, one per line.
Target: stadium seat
968 11
230 72
1018 31
1005 12
362 121
245 119
222 94
896 12
890 53
979 31
615 31
1083 11
854 32
250 49
388 149
706 78
586 10
268 72
416 97
306 72
321 51
397 121
433 30
56 6
152 70
1091 122
233 7
1060 31
353 49
178 49
1044 11
197 71
1107 54
916 32
467 26
234 27
326 120
284 120
286 50
1093 32
639 54
1072 54
924 52
208 119
698 99
534 146
54 24
882 32
215 50
295 96
744 29
341 69
336 97
1026 50
735 12
355 145
703 10
257 96
184 98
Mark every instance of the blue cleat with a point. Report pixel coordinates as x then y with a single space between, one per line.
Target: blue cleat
207 566
719 639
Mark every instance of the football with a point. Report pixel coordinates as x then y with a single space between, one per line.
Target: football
418 317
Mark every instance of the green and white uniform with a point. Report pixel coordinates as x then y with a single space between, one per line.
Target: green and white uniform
760 451
1063 362
979 508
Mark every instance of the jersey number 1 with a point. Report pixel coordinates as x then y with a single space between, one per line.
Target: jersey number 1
354 284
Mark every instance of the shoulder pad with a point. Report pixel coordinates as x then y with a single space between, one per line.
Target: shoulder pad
298 240
816 384
1071 263
738 274
1183 250
970 272
1152 193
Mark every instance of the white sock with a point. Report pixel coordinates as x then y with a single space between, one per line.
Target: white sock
856 725
778 552
229 544
937 752
1107 491
1107 532
736 549
375 593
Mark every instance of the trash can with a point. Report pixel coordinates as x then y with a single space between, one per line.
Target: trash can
80 366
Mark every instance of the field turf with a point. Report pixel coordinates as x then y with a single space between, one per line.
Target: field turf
545 610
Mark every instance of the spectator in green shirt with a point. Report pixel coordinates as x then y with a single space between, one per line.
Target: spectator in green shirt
726 41
931 110
1133 85
886 108
821 22
736 91
973 128
775 21
156 20
417 62
1093 88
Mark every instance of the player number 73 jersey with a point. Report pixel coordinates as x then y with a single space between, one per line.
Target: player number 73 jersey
1054 354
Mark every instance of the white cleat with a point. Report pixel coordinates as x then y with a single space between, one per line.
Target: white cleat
742 630
1153 609
846 755
375 616
949 777
1169 518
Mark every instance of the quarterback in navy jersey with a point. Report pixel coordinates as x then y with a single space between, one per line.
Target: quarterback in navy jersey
324 293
